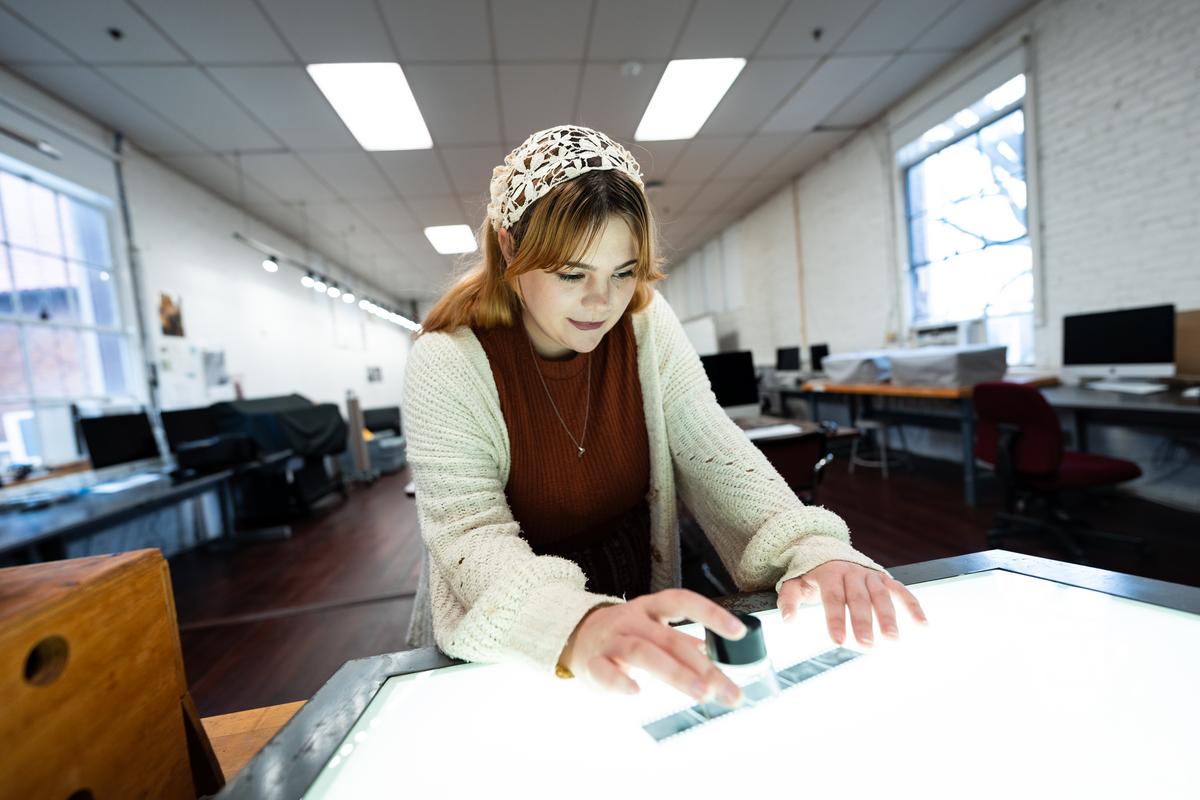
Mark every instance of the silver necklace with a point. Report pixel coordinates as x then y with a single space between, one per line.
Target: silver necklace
587 407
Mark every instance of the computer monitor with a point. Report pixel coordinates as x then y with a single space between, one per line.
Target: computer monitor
189 425
1130 343
118 439
787 359
734 382
817 354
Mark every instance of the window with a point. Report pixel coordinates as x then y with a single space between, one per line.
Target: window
61 337
969 250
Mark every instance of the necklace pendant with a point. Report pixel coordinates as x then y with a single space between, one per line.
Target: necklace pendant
580 451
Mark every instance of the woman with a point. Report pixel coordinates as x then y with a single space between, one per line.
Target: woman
553 408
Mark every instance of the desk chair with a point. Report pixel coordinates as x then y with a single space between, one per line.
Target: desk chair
1018 435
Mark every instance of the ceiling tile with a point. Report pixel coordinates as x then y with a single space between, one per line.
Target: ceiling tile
716 195
475 206
968 23
287 101
438 210
89 92
658 26
656 158
811 149
613 102
439 30
82 27
322 32
283 217
793 35
215 173
414 173
756 155
890 27
702 157
539 30
534 97
896 80
721 29
671 199
216 31
471 168
757 92
188 98
353 176
759 191
286 177
834 81
388 216
19 42
458 102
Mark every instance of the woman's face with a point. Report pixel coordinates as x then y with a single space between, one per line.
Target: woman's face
571 310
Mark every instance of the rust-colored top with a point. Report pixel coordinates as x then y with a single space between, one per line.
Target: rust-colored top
593 509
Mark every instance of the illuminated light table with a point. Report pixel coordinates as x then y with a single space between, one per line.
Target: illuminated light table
1035 678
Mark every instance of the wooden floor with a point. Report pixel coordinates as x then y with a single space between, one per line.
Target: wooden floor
270 623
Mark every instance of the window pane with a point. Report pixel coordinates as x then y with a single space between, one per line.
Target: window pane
18 434
112 363
85 232
8 303
44 290
56 362
30 214
94 291
12 362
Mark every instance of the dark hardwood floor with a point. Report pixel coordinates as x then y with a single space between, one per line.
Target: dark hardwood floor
271 622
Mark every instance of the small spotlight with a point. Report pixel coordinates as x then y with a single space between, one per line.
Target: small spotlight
364 304
307 281
347 297
320 285
334 292
104 276
270 264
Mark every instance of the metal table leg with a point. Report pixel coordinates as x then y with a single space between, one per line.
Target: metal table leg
970 485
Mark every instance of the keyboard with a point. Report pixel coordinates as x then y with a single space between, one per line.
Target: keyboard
1127 387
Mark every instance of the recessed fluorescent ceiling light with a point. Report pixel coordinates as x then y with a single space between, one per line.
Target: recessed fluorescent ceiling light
375 102
448 239
688 92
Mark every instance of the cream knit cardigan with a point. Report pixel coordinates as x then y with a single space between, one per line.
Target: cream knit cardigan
487 596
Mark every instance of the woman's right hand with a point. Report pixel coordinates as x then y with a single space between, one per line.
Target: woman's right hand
611 639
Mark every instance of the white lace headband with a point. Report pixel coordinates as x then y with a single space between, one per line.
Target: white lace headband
548 158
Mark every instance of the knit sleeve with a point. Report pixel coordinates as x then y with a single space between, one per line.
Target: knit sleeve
493 599
760 529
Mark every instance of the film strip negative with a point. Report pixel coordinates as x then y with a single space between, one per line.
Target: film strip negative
755 693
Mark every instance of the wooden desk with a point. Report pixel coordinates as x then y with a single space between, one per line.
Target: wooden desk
237 737
962 419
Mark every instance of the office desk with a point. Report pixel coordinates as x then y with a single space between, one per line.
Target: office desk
1167 411
1069 668
961 418
43 531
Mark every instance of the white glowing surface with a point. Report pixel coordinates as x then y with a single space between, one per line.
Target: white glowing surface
1019 687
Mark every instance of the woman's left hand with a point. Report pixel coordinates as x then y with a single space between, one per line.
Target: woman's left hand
843 585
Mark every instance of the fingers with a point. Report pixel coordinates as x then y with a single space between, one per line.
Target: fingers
910 602
858 600
881 599
833 597
792 595
604 671
635 651
673 605
713 682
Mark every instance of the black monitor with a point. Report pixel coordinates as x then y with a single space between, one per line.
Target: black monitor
732 378
1132 342
817 354
382 419
787 359
189 425
118 439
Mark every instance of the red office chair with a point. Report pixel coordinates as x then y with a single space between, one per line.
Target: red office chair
1019 436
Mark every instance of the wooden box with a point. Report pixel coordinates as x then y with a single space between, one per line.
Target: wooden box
93 699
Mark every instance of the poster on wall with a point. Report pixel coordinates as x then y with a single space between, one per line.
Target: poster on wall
215 373
170 314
